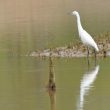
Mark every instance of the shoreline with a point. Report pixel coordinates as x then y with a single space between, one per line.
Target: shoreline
77 49
68 52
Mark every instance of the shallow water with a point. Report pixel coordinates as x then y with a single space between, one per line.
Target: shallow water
24 80
27 26
79 87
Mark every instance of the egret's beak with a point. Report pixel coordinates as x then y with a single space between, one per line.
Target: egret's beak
70 13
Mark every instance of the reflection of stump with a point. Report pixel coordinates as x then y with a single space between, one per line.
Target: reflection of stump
52 98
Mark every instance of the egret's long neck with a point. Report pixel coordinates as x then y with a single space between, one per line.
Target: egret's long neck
79 23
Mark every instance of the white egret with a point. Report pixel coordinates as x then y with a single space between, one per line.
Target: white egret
85 37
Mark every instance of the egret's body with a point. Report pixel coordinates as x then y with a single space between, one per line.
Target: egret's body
87 40
85 37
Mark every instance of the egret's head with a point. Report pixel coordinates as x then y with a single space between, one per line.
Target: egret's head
75 13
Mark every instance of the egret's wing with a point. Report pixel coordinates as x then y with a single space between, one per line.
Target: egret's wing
88 40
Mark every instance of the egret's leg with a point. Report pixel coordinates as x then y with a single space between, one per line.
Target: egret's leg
87 52
88 55
95 56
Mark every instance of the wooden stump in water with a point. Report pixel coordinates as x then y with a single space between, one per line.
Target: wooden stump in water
51 83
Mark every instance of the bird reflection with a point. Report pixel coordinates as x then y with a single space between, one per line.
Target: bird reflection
86 85
51 84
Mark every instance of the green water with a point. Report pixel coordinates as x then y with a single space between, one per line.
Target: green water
27 26
23 84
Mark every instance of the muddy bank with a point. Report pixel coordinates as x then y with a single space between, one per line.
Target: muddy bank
77 50
70 52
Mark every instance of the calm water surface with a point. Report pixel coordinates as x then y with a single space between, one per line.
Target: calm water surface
24 80
27 26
